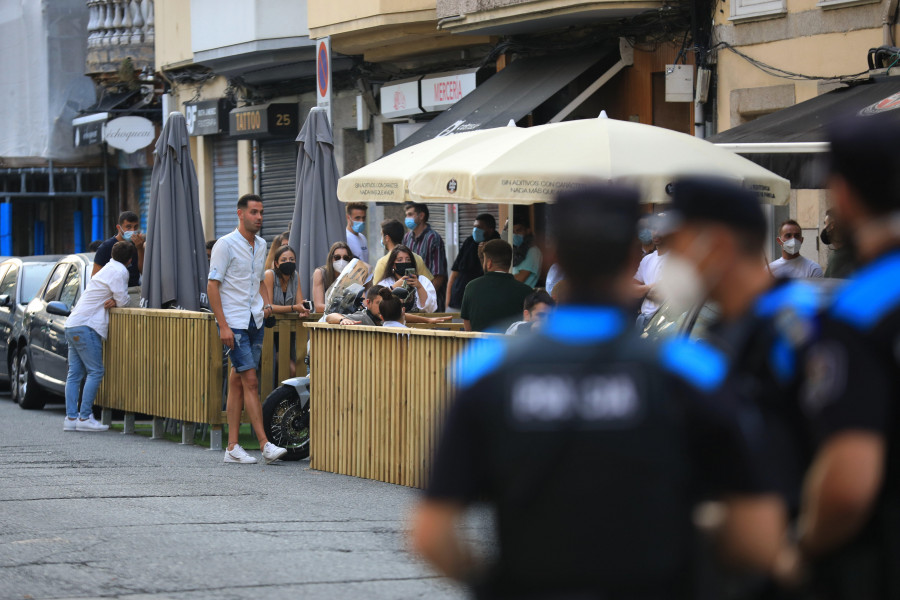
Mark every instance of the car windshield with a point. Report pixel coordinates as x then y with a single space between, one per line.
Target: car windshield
666 321
32 278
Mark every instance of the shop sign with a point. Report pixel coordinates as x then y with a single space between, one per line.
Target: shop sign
130 134
401 99
88 130
442 90
264 120
208 117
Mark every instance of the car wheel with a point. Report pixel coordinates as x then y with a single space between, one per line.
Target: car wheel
27 394
286 422
14 378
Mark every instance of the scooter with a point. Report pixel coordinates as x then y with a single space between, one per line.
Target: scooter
286 417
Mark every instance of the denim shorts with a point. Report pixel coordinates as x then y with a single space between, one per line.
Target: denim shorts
247 347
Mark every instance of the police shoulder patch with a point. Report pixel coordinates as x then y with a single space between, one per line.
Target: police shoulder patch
697 362
871 295
480 358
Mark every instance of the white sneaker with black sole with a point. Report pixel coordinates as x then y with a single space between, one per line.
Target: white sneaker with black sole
238 455
91 424
271 452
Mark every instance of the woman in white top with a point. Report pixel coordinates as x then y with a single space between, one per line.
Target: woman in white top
399 260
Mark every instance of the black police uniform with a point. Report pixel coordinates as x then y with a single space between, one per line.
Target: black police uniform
853 383
593 448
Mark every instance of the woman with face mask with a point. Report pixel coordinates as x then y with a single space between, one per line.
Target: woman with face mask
285 291
423 296
339 257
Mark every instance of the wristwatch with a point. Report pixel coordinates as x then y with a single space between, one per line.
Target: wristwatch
267 306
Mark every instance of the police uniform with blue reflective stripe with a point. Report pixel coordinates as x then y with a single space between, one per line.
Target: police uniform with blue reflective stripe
853 383
593 447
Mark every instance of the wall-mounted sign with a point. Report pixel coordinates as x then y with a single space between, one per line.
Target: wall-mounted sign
130 134
264 120
442 90
323 75
208 117
400 99
88 130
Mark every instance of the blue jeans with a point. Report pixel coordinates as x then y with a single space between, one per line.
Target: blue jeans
247 347
85 358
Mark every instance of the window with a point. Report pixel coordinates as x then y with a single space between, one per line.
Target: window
8 285
33 275
843 3
52 291
755 9
70 289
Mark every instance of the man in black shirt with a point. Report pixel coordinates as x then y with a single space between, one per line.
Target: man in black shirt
592 447
849 528
128 228
467 265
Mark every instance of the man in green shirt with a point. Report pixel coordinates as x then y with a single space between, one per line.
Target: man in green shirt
495 299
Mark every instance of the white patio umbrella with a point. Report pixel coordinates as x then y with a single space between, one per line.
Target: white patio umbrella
386 179
534 164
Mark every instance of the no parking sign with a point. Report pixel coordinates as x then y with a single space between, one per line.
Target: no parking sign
323 75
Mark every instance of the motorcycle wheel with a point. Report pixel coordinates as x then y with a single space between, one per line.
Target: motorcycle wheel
286 422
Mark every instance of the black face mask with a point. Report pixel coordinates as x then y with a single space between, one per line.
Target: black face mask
287 269
825 236
401 267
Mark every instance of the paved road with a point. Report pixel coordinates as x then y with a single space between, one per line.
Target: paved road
90 515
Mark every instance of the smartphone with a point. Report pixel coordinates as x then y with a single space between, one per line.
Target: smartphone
411 273
308 305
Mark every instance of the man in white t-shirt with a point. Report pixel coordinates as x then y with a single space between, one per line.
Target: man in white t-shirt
646 277
356 223
791 265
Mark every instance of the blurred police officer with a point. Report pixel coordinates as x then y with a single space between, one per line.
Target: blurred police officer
591 446
850 524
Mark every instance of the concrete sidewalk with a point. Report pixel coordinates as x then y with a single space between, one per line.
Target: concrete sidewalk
91 515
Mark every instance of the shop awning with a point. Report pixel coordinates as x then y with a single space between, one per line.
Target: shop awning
790 141
510 94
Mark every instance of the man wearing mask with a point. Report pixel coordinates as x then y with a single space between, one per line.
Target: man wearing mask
127 229
527 257
791 264
849 527
427 243
391 236
840 257
356 223
467 265
647 275
645 236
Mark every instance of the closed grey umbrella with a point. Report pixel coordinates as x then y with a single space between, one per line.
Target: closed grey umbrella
175 265
318 219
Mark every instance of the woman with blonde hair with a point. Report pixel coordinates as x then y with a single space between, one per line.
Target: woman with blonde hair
280 240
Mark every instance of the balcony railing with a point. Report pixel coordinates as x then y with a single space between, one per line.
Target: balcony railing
120 23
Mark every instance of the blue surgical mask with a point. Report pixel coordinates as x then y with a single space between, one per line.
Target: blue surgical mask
358 226
383 244
127 234
517 239
410 223
478 235
646 236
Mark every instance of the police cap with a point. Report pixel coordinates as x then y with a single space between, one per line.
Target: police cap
865 150
720 201
594 229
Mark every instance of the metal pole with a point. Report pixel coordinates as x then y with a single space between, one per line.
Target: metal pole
105 188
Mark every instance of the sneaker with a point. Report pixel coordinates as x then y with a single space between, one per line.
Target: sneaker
91 424
238 455
70 424
271 452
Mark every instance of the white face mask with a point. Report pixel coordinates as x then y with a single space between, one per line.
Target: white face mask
792 246
340 264
680 282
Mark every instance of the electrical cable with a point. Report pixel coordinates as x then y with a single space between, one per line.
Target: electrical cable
784 73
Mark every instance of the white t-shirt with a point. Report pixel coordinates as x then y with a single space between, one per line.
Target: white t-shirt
795 268
110 282
648 274
359 246
431 299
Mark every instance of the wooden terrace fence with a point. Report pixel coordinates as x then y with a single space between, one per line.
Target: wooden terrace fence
378 395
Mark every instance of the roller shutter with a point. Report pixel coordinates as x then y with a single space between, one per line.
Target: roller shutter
225 185
278 173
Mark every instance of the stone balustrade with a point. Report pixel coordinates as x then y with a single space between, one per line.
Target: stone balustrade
120 23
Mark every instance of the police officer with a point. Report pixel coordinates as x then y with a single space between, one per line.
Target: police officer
591 446
849 528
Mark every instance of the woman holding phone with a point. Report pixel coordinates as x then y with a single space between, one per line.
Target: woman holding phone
286 292
400 271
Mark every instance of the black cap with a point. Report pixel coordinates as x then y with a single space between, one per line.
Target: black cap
720 201
865 150
594 228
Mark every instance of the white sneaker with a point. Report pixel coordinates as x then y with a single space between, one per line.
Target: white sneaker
238 455
91 424
271 452
69 424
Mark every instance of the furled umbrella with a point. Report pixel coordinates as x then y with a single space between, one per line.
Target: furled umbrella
534 164
318 219
175 265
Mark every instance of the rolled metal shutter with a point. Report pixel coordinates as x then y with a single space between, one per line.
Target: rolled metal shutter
225 185
278 174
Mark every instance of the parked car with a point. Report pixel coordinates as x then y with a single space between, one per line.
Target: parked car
20 279
41 364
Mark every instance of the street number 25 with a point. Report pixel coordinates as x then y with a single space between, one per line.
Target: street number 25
282 120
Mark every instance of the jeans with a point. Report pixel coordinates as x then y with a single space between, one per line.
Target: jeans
85 358
247 347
